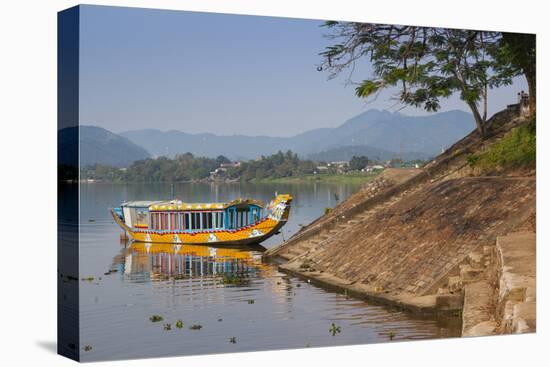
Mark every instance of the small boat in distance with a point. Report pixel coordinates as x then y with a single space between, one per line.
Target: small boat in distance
239 222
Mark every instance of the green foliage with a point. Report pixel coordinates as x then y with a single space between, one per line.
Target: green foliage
186 167
334 329
516 149
519 50
179 324
278 165
156 318
426 63
234 279
358 162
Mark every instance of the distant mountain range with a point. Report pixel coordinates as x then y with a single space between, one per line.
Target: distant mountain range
374 133
383 133
98 145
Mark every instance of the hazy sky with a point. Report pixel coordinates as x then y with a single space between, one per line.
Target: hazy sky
225 74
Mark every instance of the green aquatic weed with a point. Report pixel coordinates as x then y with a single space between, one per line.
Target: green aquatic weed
334 329
156 318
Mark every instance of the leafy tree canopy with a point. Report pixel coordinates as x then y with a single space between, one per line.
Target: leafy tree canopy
425 63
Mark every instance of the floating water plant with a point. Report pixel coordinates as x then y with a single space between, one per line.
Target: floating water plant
89 279
233 279
195 327
156 318
179 324
87 348
334 329
391 335
167 326
233 340
250 301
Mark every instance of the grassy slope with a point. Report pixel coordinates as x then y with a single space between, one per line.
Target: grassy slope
517 149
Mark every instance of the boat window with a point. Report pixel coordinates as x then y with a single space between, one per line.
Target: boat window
141 217
195 221
187 220
156 222
219 220
255 215
163 221
173 221
180 221
207 220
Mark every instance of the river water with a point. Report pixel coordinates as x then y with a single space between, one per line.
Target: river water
236 302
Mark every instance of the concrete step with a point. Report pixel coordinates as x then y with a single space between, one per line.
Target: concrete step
478 312
449 301
476 260
454 284
517 294
468 274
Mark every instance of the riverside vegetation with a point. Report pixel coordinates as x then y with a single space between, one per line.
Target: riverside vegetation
278 167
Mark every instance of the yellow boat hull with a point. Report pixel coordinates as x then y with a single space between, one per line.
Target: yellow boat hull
252 234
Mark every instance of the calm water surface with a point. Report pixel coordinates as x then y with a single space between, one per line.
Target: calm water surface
229 292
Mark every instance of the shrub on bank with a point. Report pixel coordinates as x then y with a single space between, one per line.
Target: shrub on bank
517 149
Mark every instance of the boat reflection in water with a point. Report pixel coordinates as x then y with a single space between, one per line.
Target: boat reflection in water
171 261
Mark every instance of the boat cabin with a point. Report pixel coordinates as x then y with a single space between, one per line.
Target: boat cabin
176 216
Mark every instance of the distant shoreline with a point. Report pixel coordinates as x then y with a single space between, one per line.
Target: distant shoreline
351 178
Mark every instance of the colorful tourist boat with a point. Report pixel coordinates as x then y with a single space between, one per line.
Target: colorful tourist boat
239 222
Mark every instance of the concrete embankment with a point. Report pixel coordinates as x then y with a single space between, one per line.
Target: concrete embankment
405 251
432 242
502 300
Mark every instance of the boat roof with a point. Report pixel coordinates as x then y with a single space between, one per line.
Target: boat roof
140 203
179 205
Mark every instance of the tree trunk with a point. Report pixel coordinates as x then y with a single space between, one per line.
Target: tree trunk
532 85
480 121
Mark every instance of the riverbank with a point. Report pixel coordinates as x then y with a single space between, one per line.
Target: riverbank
416 244
344 178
